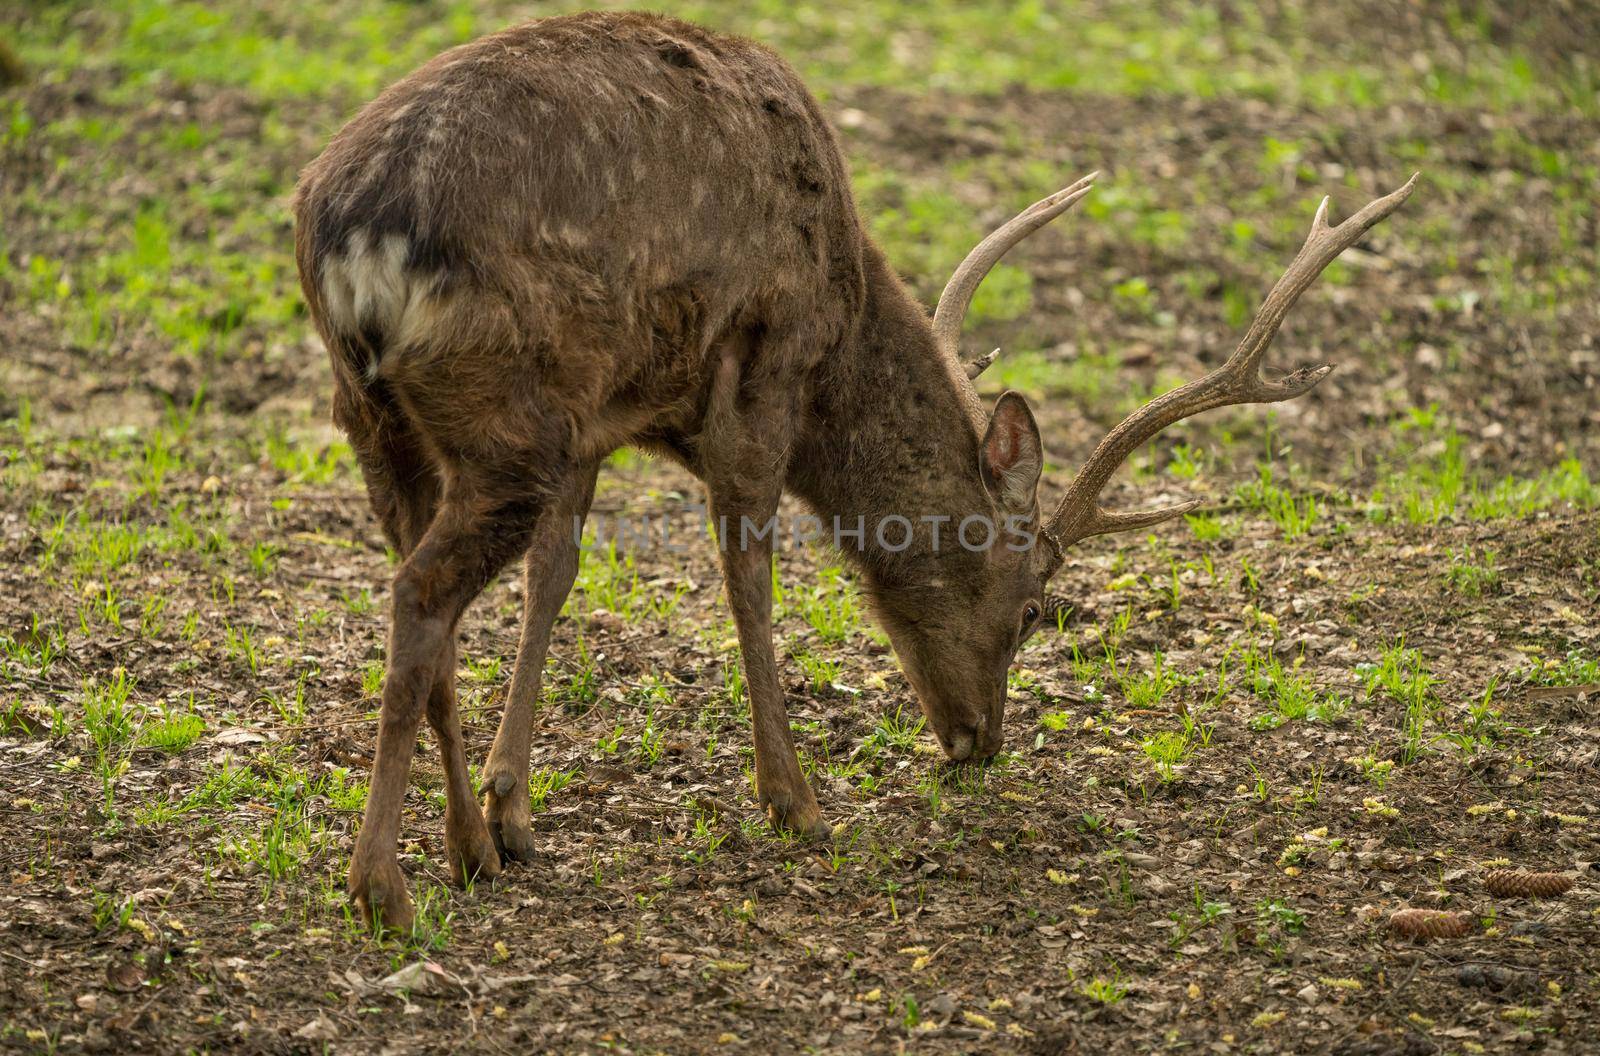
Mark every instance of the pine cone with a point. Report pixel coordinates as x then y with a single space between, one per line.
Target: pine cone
1431 924
1519 883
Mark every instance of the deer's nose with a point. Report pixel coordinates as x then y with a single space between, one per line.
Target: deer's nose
960 746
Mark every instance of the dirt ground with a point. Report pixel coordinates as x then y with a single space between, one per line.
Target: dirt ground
1364 678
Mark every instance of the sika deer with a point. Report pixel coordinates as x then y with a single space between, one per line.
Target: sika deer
614 229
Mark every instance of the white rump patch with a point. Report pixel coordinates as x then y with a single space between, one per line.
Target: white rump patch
368 287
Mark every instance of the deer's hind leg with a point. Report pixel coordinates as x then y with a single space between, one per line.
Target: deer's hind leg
455 530
549 569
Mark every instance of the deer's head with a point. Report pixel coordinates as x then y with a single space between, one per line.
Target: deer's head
958 633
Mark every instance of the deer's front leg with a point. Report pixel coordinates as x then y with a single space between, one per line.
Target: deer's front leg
781 785
745 451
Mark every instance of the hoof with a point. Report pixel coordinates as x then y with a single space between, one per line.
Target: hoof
509 819
800 817
514 841
473 854
379 894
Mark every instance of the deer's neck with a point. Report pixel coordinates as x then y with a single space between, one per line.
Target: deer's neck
893 438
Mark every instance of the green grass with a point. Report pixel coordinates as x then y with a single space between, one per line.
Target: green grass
203 267
1168 750
173 732
109 717
608 578
1147 689
1401 678
304 460
1293 514
544 783
1575 668
829 604
1429 479
1291 695
1473 572
1118 46
218 544
822 672
914 225
351 50
1105 991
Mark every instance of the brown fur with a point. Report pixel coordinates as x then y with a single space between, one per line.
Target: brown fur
610 229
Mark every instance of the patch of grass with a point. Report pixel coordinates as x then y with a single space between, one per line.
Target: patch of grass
222 787
707 840
1168 750
1090 376
1291 694
647 750
291 838
92 548
1206 914
343 792
926 231
35 649
1187 49
608 578
291 708
830 606
578 691
305 461
544 783
1576 668
1429 481
431 927
1293 516
820 671
263 558
108 716
1185 462
1483 727
174 731
1402 677
350 53
372 679
1207 527
1274 914
359 602
1105 991
1147 689
240 646
1473 573
110 913
484 670
1056 720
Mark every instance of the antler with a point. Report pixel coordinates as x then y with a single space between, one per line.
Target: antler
957 295
1237 381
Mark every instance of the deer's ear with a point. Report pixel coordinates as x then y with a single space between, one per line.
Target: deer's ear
1012 458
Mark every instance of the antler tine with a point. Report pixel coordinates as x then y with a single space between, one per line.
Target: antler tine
957 295
981 364
1322 246
1237 381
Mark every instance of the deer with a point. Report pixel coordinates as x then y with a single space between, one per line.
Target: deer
615 229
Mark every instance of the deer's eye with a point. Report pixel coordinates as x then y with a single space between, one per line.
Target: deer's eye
1029 615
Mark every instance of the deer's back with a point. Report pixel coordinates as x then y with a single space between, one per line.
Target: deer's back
611 193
